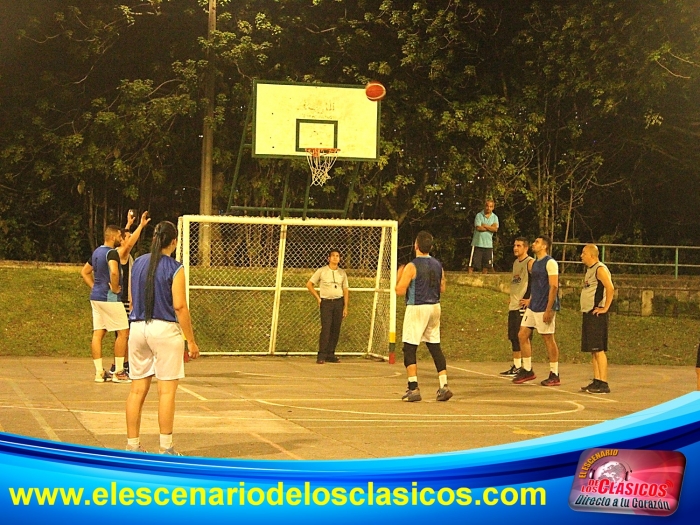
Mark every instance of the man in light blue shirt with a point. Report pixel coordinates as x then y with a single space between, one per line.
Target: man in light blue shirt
485 225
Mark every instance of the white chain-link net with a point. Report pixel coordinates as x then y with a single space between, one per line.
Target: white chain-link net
320 162
241 304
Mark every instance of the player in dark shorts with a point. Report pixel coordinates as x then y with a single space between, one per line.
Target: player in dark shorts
519 293
485 225
596 298
126 261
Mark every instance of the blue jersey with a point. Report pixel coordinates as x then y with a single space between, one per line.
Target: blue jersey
165 273
100 270
539 289
425 286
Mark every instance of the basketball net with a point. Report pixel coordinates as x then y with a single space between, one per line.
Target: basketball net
321 160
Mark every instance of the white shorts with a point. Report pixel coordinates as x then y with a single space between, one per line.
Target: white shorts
156 348
421 323
534 320
109 316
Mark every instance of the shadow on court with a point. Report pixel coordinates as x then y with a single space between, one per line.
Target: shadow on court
292 408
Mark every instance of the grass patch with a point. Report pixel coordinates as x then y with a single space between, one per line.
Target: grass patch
46 312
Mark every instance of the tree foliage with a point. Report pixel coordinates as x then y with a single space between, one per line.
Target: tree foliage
579 118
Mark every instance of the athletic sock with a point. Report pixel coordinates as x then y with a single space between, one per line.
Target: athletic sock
413 382
527 363
443 380
133 442
554 368
166 441
118 364
518 362
98 365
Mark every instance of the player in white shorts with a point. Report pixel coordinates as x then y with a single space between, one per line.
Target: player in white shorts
103 275
422 281
159 318
541 313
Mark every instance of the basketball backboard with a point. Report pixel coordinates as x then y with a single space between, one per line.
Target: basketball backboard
290 117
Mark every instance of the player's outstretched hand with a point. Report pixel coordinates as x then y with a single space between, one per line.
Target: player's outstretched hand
145 219
129 219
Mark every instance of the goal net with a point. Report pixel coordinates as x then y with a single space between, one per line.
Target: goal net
246 283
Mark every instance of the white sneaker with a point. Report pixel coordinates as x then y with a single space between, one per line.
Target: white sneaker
101 377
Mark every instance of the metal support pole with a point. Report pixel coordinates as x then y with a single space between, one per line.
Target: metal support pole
242 146
306 197
675 267
205 195
284 195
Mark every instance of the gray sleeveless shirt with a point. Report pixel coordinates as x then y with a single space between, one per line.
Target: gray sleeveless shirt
593 291
518 283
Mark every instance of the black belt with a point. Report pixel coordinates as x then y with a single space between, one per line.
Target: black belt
334 299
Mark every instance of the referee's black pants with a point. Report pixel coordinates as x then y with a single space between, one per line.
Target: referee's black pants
331 319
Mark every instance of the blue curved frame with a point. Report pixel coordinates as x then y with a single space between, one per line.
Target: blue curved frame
548 462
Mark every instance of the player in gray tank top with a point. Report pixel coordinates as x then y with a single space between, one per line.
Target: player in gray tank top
596 297
519 292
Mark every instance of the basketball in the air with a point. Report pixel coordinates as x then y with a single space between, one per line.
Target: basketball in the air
375 91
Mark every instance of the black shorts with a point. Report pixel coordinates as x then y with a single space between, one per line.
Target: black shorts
481 258
515 317
594 332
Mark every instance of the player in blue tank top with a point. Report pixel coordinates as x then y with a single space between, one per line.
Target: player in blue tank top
422 281
541 313
102 274
163 300
160 317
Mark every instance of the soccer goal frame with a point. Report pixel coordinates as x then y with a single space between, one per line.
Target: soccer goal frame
246 283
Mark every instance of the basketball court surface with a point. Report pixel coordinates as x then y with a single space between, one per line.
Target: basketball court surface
292 408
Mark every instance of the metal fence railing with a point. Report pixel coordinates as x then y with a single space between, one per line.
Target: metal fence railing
635 258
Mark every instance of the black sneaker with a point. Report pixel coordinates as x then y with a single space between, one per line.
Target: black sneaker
552 380
593 384
412 396
523 376
444 393
333 359
600 388
511 372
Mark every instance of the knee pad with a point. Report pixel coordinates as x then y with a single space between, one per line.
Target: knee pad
438 356
409 354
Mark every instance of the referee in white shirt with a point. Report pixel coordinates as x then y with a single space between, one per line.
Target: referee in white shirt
332 298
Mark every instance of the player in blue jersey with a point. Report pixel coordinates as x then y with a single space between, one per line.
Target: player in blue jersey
103 275
422 281
541 313
159 318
